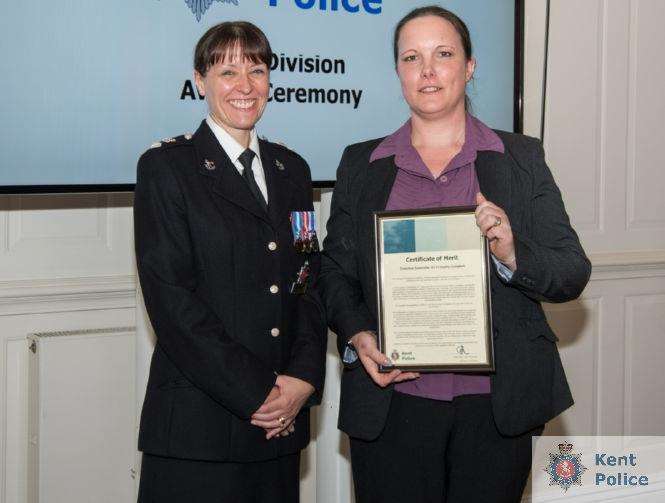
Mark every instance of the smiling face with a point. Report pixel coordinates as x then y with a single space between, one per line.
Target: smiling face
236 90
432 67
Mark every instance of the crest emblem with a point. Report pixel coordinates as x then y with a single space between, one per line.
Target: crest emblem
209 165
394 356
565 468
199 7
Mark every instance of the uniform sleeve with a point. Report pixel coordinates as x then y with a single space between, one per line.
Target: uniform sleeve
551 264
190 334
308 351
341 291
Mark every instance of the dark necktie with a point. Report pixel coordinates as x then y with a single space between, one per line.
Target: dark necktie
246 159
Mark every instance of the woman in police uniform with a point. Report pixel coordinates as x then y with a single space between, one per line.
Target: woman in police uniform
240 348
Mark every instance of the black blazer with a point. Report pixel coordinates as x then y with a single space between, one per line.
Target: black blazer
206 267
529 386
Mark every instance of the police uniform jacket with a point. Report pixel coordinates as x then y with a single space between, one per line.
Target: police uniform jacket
529 386
215 271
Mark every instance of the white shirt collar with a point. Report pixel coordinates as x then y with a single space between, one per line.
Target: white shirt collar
233 149
230 145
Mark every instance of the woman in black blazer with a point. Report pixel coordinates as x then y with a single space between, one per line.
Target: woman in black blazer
449 437
240 346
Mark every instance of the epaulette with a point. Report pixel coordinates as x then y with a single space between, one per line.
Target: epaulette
184 139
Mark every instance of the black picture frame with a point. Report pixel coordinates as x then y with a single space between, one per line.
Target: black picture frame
487 367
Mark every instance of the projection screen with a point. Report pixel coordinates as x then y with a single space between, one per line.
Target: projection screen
90 85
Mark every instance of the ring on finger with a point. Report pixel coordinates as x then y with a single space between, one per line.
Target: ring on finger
497 221
282 420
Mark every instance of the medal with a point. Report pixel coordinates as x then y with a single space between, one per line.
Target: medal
303 227
299 286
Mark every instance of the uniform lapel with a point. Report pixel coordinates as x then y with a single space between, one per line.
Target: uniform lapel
280 186
226 181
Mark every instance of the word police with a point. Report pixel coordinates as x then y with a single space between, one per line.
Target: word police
621 478
353 6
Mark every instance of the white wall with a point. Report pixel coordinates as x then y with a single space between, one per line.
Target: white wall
603 117
66 262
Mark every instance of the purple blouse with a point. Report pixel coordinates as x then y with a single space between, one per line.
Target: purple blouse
416 188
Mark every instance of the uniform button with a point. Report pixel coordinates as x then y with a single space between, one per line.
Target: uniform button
272 246
444 179
274 289
274 332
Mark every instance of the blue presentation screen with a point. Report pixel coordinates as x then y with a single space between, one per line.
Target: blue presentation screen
90 85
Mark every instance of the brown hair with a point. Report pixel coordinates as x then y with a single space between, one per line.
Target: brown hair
435 10
216 43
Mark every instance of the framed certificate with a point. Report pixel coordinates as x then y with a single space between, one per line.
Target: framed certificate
433 291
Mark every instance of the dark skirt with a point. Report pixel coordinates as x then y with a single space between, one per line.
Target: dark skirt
170 480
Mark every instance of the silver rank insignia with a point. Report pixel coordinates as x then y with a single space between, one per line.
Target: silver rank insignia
279 165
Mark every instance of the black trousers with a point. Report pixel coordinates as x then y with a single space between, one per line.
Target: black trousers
433 451
170 480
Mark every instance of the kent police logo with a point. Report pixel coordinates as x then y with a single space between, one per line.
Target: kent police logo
565 469
199 7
